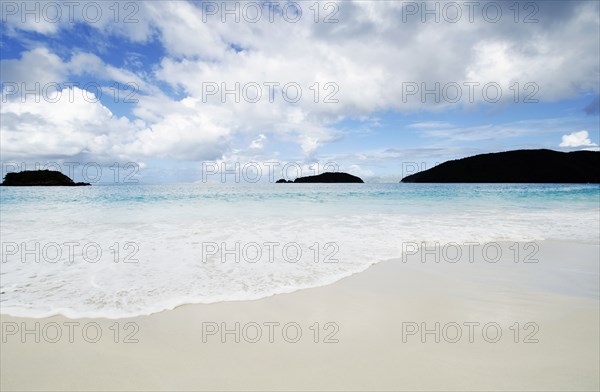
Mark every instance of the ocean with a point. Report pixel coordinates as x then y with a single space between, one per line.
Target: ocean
129 250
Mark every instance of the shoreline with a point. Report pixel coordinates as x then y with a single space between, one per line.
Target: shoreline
413 257
355 334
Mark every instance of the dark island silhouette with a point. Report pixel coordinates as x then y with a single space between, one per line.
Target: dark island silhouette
325 178
519 166
39 178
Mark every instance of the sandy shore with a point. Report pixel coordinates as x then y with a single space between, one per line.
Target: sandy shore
368 336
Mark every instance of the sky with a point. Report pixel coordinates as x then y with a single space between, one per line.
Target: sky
181 91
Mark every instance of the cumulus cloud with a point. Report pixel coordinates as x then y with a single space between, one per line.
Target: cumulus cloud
65 124
353 68
73 125
577 139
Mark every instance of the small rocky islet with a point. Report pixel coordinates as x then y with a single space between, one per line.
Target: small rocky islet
39 178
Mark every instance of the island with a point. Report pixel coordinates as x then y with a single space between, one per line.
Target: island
39 178
325 178
519 166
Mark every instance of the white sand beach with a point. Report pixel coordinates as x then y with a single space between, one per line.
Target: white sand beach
366 336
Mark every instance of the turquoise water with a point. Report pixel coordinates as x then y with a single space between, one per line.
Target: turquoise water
403 197
150 244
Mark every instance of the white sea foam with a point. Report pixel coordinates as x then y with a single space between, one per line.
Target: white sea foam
166 235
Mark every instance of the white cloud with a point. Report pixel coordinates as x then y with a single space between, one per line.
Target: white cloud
448 132
88 63
258 143
76 126
369 53
130 20
360 172
577 139
184 135
182 31
62 125
37 65
431 124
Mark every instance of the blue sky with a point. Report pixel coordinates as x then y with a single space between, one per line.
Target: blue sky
367 60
